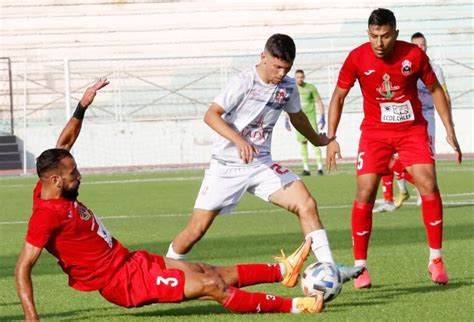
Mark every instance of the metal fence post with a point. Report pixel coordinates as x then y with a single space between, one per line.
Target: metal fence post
67 89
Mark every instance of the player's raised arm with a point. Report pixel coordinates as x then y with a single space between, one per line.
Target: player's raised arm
444 111
73 127
301 123
213 118
334 116
28 257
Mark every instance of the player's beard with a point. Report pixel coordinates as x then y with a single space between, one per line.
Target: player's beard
71 193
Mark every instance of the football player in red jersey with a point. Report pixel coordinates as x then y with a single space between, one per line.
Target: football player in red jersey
95 261
387 71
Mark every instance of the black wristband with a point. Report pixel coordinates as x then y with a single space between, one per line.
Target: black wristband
79 112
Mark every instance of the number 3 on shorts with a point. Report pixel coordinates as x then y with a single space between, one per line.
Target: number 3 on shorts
360 161
170 281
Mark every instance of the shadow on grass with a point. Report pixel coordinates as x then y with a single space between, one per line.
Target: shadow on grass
184 311
384 294
376 296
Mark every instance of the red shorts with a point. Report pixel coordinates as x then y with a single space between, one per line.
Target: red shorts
143 279
375 152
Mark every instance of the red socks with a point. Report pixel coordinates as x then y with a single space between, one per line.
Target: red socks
247 302
361 228
387 187
399 170
251 274
432 209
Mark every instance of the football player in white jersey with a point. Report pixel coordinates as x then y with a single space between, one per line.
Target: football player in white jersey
428 111
244 115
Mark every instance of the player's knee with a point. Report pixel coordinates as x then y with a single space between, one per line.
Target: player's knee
427 185
366 194
215 287
307 207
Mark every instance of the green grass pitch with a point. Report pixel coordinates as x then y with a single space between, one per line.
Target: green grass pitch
146 210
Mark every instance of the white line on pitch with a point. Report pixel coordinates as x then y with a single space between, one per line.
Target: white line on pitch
170 179
453 203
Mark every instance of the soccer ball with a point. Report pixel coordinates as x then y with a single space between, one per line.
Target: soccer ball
323 277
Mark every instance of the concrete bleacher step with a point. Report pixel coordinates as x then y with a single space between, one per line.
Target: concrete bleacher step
10 156
10 165
9 153
7 139
8 147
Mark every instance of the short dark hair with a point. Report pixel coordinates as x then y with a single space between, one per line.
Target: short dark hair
50 160
417 35
299 71
282 47
382 16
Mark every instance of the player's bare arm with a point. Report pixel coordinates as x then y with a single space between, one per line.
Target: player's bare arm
301 123
24 286
73 127
333 151
444 111
213 118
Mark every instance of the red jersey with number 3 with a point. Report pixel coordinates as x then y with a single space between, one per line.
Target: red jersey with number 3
388 86
84 248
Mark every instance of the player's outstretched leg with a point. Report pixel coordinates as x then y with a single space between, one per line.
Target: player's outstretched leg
197 226
210 285
286 270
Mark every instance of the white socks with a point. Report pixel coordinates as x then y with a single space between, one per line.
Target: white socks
282 269
402 185
320 246
173 255
434 253
360 262
305 167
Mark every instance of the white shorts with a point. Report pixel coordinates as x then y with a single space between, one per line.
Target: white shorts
224 185
429 115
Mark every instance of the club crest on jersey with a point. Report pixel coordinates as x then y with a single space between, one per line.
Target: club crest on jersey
84 214
280 95
387 89
406 67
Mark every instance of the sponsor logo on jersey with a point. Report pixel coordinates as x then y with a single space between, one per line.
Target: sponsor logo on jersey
396 112
370 71
406 67
257 132
254 94
387 89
